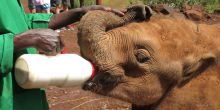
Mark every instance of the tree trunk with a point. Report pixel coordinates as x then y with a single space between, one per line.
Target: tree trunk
98 2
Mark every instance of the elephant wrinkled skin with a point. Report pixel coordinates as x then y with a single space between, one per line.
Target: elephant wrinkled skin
152 62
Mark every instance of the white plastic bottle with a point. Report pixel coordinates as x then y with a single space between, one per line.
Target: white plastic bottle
63 70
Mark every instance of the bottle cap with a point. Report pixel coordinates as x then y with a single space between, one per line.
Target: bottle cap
93 71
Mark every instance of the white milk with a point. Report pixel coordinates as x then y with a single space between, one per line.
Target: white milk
63 70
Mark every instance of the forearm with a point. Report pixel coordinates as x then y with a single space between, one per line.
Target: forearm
73 15
22 42
66 18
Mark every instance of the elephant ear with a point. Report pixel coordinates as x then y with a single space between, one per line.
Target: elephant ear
193 67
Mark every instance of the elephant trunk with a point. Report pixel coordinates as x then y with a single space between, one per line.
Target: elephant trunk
96 23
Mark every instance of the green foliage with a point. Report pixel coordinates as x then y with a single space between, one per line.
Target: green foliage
76 3
209 5
89 2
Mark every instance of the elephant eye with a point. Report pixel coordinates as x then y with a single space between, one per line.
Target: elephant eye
142 56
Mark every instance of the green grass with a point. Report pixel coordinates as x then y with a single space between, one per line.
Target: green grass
116 3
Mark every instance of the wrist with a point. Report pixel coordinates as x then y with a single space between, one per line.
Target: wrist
84 10
65 18
24 41
80 11
18 43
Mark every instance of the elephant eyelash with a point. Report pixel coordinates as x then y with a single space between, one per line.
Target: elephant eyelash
142 56
142 59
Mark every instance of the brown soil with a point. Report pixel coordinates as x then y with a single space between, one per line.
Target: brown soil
77 99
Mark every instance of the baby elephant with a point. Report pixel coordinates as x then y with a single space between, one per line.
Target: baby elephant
152 61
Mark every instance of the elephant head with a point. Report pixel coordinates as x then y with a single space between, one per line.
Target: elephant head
138 62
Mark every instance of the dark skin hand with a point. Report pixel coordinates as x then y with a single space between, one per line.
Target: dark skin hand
45 40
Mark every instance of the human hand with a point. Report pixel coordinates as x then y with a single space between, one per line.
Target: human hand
104 8
45 40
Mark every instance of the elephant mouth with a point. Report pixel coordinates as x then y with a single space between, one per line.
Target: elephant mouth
102 83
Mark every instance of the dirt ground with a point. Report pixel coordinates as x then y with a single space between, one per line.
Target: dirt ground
75 98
